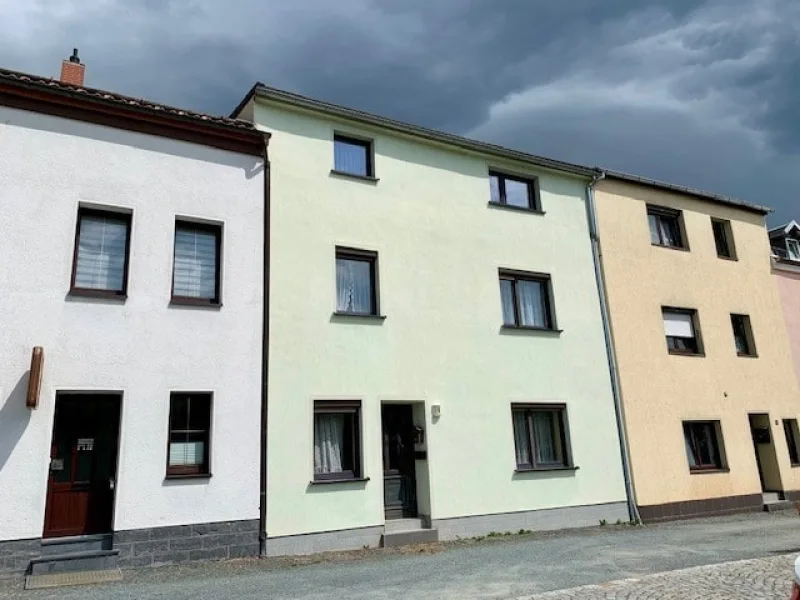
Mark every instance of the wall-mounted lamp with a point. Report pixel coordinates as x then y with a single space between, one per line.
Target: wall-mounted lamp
35 377
436 410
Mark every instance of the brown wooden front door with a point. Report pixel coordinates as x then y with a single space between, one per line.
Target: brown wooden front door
83 465
399 474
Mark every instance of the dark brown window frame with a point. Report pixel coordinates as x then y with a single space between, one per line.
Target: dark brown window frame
748 335
202 226
695 328
719 445
126 216
354 140
563 422
346 407
790 432
728 240
544 278
662 212
370 256
191 471
532 183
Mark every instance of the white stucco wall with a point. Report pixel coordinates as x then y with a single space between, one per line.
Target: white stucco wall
440 247
142 347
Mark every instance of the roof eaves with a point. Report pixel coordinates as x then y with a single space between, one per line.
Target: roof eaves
296 100
734 202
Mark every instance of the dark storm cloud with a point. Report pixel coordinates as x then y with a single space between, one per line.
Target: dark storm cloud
700 92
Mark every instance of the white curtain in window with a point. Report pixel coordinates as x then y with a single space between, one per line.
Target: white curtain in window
353 286
101 253
195 263
494 188
507 298
328 443
678 325
530 295
654 236
186 453
521 438
543 431
689 449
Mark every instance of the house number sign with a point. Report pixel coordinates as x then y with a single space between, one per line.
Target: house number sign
85 444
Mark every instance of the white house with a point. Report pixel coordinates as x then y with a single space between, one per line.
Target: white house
437 361
132 251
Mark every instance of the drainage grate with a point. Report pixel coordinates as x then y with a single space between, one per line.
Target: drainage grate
38 582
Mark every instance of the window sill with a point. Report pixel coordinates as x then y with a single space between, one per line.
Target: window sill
708 471
795 465
679 353
743 355
101 294
350 315
345 174
536 211
194 302
169 477
545 469
729 258
532 329
678 248
335 481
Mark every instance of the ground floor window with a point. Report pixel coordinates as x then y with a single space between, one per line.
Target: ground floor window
792 437
703 445
337 446
541 437
189 434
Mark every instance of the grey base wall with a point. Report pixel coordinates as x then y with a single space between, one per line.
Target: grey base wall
532 520
16 555
326 541
183 543
156 546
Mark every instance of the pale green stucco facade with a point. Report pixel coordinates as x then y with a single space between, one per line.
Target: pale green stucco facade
440 247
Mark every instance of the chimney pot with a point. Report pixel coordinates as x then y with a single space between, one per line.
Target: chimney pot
73 70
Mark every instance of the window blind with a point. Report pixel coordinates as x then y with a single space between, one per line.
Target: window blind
678 325
195 263
101 253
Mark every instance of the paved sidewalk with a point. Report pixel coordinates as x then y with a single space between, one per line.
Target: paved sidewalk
756 579
503 568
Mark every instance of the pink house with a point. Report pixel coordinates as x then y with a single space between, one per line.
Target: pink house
785 242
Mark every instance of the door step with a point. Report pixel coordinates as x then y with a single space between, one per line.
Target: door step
38 582
771 497
404 532
78 543
91 560
778 505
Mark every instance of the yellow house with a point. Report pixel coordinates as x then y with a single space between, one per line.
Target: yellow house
703 358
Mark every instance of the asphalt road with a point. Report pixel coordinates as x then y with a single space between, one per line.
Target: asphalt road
512 567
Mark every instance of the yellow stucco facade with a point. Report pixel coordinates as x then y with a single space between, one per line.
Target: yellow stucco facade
660 390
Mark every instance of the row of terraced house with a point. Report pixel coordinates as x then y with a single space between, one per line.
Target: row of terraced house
304 327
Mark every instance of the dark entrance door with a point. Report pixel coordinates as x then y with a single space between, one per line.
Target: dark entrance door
766 459
83 465
399 476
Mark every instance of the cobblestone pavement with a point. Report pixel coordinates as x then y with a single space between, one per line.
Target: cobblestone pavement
757 579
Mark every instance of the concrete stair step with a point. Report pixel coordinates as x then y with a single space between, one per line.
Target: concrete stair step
405 538
398 525
778 505
81 543
91 560
771 497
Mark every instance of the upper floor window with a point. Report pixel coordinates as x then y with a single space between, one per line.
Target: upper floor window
793 249
743 335
514 191
792 435
681 329
102 247
196 269
723 238
352 156
356 282
527 300
666 228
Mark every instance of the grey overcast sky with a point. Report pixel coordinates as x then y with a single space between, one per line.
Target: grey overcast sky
704 93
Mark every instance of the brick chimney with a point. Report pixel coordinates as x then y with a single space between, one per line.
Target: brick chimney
72 70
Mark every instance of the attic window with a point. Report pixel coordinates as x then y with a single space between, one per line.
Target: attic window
793 249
